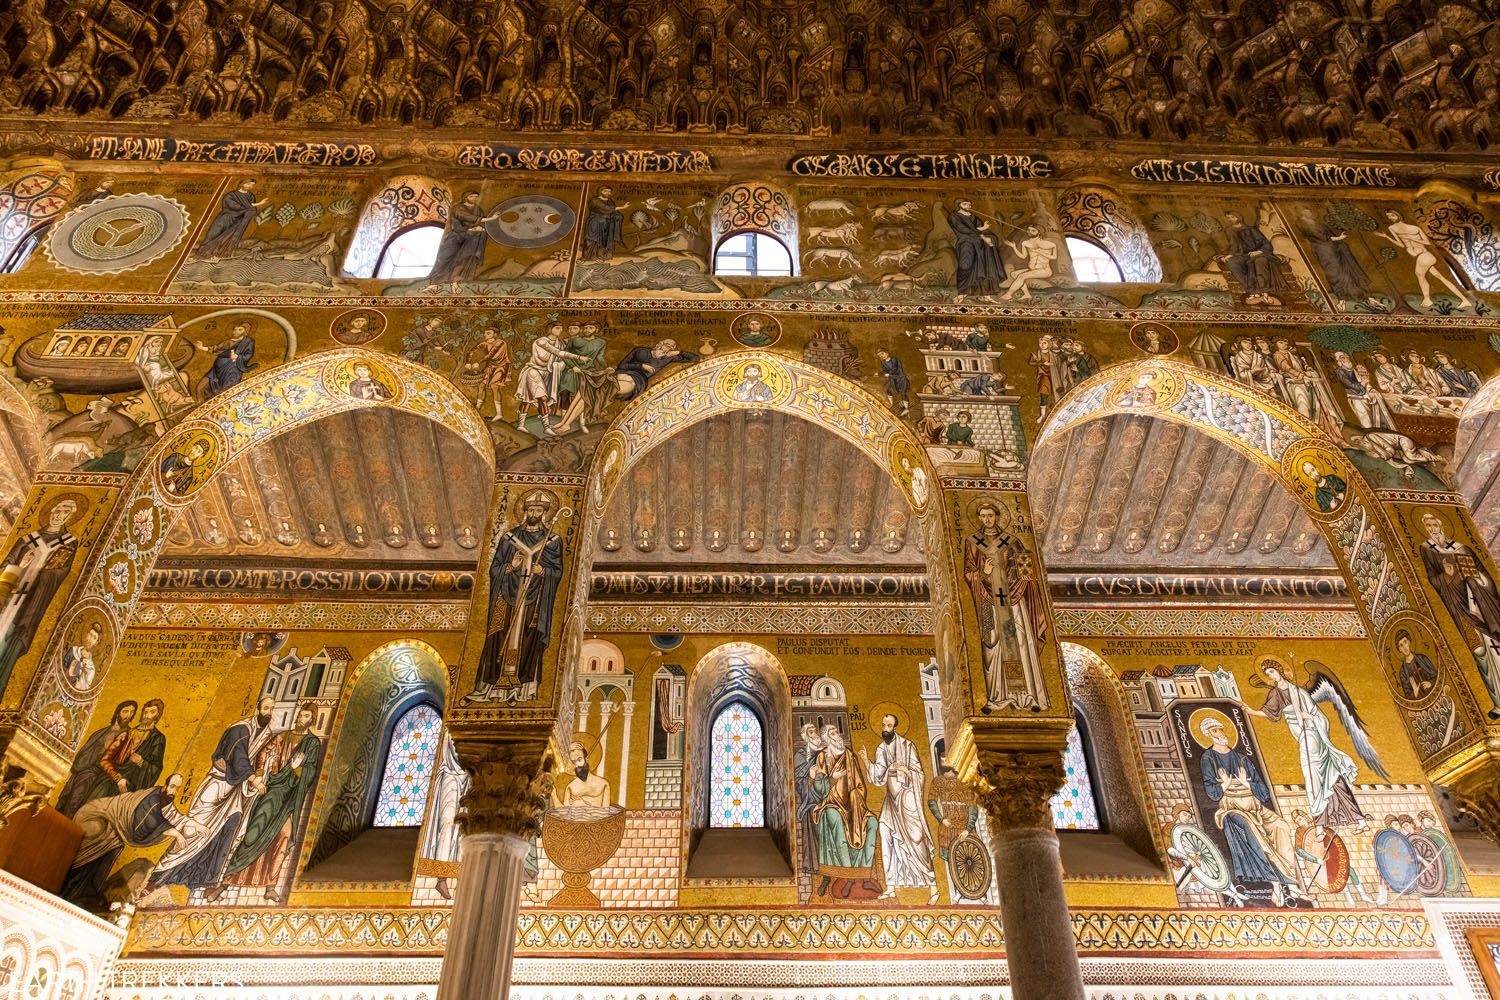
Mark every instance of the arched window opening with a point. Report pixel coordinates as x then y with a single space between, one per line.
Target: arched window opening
409 760
753 255
410 253
737 792
1092 264
1074 806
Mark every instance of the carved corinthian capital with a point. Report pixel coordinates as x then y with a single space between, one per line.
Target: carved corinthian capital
1016 787
1478 794
509 787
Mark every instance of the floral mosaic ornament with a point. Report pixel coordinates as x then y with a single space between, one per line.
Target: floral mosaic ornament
408 768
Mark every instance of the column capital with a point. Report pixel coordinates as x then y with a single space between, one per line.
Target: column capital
1016 786
1477 792
29 770
510 785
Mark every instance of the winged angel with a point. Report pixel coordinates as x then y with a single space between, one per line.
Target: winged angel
1328 771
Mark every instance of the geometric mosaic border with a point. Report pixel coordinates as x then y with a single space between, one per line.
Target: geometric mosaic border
769 617
887 934
369 616
1289 623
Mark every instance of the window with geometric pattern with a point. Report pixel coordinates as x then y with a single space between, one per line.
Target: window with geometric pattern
1074 806
408 767
737 789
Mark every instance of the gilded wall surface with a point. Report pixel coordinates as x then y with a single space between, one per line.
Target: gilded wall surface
263 499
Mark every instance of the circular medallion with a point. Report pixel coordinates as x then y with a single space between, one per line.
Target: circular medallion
115 234
531 220
970 864
1153 389
755 330
357 327
365 379
909 469
189 460
1315 474
87 648
1412 659
754 383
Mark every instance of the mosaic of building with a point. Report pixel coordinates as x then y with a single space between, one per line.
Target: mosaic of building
992 494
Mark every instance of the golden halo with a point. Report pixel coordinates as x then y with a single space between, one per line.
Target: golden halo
591 749
880 710
80 505
1003 516
1202 715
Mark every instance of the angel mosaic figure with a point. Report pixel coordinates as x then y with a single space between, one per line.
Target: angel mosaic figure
1328 771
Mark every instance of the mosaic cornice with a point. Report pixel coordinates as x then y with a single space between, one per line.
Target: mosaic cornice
1288 623
741 619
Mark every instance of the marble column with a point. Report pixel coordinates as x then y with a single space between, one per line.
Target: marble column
1016 787
500 814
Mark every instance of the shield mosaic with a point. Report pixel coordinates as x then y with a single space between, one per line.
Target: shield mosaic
116 234
531 220
970 861
1434 874
1397 860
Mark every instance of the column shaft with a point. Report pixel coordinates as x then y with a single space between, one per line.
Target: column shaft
486 907
1016 788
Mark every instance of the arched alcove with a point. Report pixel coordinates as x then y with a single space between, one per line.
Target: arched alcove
406 204
754 231
738 674
235 427
1096 215
349 841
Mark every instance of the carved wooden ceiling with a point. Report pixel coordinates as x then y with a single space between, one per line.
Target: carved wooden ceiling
758 489
1146 495
1386 74
376 486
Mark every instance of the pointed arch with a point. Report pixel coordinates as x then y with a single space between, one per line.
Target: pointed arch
708 389
217 434
1375 563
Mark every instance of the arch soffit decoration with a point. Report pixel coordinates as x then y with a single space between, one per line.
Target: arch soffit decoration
1122 751
211 438
707 389
1388 593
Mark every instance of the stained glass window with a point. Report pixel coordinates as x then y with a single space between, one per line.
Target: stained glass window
737 796
408 767
1074 806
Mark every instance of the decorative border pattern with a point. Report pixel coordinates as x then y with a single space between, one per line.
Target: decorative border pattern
689 933
1288 623
1451 920
791 619
688 978
360 616
184 461
45 941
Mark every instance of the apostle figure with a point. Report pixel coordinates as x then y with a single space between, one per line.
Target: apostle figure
236 211
441 835
1329 489
848 833
287 767
1252 261
1347 281
1008 604
78 658
977 248
905 842
751 388
1369 405
181 471
807 799
1468 592
524 574
142 818
117 759
365 387
234 358
1261 845
603 225
461 251
33 570
1418 674
222 800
